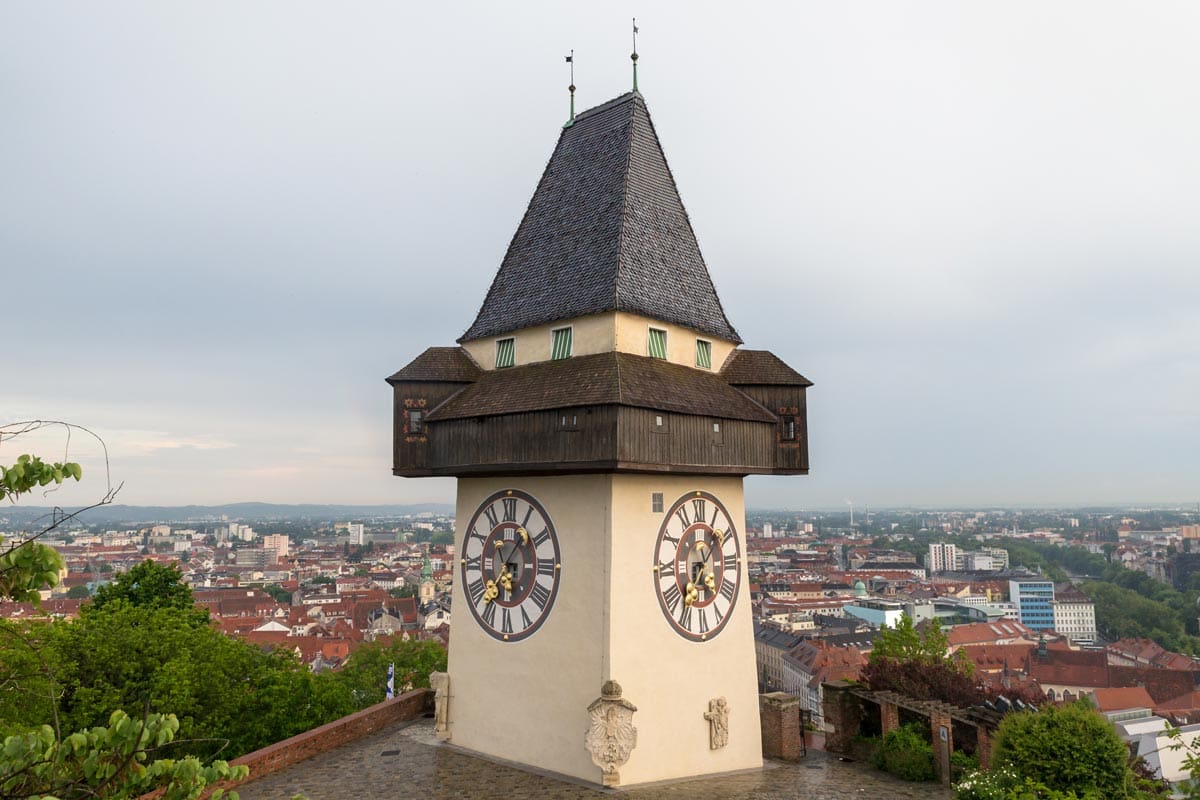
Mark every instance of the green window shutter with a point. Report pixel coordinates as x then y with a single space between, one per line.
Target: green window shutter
658 343
506 352
561 344
703 354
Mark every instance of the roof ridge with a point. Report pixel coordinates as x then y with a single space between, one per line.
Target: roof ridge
623 214
607 104
687 218
605 230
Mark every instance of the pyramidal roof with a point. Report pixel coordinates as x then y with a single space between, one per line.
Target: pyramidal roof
606 230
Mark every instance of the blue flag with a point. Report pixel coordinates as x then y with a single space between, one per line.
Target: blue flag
391 683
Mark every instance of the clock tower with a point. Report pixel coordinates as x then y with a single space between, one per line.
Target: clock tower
600 415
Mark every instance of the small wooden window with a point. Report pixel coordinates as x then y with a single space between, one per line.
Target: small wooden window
656 346
506 353
569 421
789 429
560 343
703 354
416 421
656 502
660 424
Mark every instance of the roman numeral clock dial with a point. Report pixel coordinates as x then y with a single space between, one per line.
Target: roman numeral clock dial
509 565
697 566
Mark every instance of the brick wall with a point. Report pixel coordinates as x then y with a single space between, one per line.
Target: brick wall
779 713
889 717
941 725
843 716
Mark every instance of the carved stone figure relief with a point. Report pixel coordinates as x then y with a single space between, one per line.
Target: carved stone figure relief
718 723
611 736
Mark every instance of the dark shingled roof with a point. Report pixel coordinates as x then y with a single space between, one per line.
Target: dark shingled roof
760 368
605 231
440 364
601 379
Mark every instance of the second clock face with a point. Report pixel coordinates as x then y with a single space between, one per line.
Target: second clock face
509 565
697 566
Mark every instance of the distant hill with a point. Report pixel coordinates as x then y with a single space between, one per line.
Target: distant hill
242 512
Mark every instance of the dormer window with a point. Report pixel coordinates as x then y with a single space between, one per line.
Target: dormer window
506 352
656 346
560 343
703 354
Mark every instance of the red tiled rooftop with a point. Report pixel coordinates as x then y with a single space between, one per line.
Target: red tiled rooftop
1119 699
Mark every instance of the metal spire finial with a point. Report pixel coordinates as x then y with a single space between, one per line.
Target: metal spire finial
571 88
634 56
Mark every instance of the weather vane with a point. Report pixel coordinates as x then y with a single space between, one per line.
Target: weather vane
571 88
633 57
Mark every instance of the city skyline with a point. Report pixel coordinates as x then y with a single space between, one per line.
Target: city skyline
973 229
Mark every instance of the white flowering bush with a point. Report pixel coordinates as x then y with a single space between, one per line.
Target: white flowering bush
982 785
1006 784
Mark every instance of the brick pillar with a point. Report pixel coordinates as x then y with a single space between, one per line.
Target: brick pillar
779 713
942 730
889 716
843 716
983 746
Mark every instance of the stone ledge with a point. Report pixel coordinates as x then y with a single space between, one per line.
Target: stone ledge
334 734
281 755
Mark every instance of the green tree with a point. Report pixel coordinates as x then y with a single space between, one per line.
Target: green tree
230 697
917 662
1071 748
26 567
904 642
114 761
150 585
278 593
120 759
79 592
365 674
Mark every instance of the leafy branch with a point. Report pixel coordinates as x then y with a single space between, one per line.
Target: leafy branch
28 565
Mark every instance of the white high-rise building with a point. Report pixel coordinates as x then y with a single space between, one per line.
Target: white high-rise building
768 531
1074 614
278 543
355 530
999 556
942 557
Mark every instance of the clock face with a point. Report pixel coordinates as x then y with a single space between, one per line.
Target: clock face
697 566
509 565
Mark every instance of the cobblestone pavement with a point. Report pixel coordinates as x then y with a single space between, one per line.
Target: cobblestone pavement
405 761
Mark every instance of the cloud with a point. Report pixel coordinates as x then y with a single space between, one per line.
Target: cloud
149 442
1164 341
278 471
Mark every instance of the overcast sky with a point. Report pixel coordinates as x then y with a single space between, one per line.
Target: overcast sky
976 228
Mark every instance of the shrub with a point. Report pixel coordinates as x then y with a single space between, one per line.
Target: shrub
1005 784
980 785
1066 749
962 763
906 753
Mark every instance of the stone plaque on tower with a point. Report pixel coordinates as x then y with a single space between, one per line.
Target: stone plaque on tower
600 414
